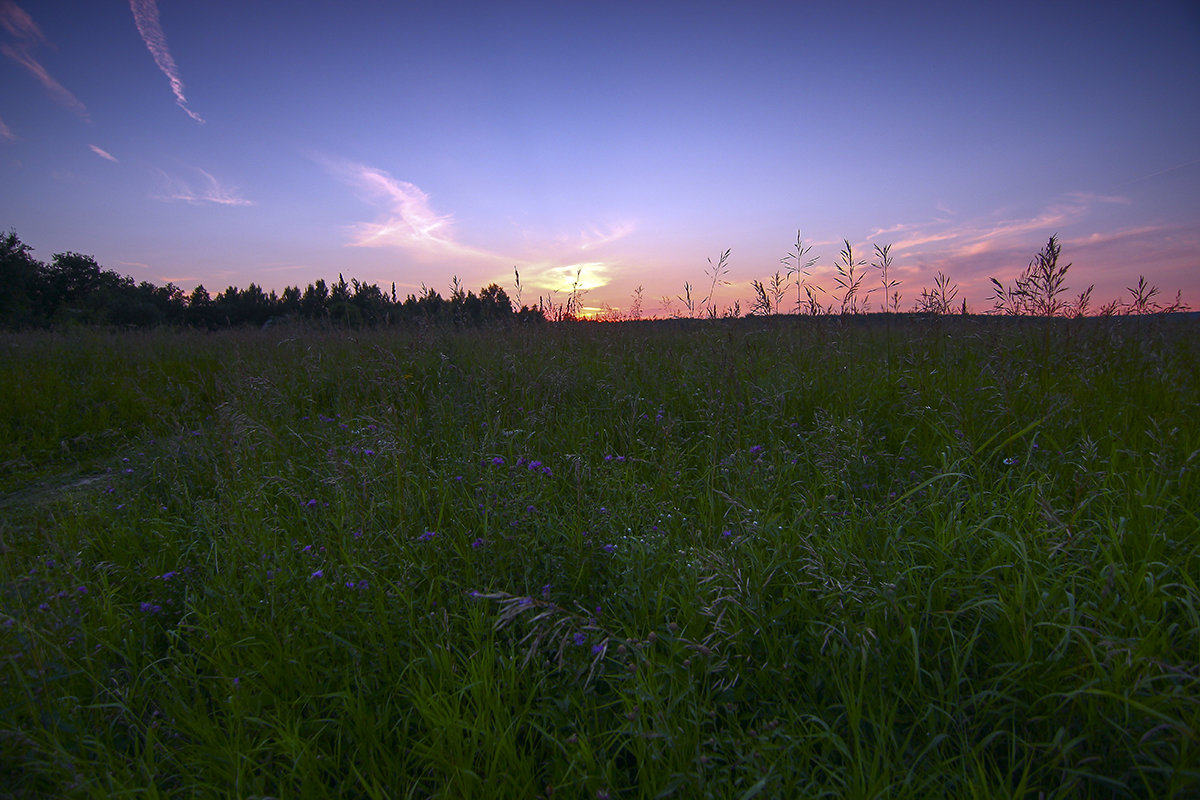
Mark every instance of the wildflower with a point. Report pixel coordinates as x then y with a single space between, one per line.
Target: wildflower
498 461
320 573
311 503
151 608
546 591
427 536
166 576
1010 460
727 533
597 649
579 638
756 449
478 543
81 589
546 471
609 548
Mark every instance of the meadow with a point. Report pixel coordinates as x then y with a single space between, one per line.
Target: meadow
836 556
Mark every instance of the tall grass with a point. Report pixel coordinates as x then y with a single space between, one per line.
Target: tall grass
693 559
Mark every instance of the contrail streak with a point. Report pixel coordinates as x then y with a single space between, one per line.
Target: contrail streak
145 16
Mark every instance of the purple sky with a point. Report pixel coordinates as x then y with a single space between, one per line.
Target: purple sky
235 141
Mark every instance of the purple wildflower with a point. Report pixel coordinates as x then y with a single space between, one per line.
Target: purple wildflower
478 543
580 639
426 536
320 573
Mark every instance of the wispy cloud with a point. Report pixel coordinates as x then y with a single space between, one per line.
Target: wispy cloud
21 27
996 231
583 276
998 244
103 153
145 16
6 133
210 190
1166 171
408 220
594 237
18 23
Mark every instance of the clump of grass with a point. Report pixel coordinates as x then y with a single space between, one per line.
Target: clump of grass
726 559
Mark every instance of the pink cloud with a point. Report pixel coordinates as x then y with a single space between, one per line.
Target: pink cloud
103 153
595 237
56 90
145 17
17 22
6 133
408 220
210 191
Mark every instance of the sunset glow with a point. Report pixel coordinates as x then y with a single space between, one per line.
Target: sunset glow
604 147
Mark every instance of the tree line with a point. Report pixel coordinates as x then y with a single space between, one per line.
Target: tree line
73 288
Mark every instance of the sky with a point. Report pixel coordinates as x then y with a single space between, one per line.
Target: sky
606 146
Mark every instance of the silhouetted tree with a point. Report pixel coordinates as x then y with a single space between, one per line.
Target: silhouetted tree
73 288
22 281
313 303
495 302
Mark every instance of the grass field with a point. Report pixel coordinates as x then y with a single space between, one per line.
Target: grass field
834 557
